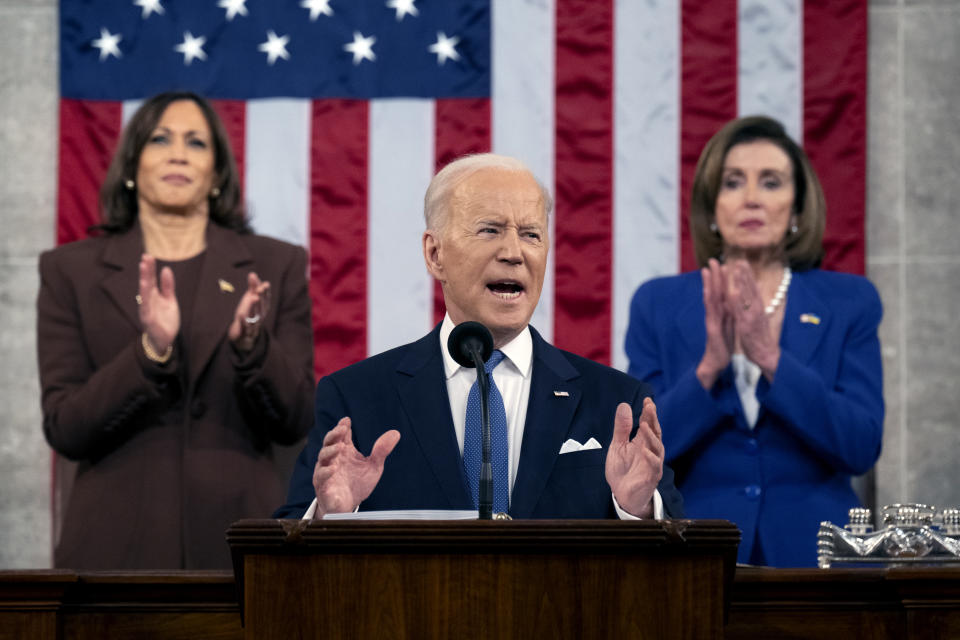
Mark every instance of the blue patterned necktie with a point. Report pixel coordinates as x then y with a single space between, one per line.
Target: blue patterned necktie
473 441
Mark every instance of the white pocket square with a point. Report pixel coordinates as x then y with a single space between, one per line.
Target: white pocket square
572 445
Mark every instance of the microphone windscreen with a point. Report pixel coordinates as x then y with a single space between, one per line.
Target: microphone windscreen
468 337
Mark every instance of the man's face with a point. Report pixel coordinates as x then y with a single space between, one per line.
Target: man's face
491 252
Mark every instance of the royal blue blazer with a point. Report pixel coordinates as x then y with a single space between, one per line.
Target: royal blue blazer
405 389
820 421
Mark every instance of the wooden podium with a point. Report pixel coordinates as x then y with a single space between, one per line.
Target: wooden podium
483 579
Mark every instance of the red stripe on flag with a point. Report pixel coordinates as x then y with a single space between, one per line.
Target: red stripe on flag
834 121
89 132
584 177
708 92
233 113
462 127
338 232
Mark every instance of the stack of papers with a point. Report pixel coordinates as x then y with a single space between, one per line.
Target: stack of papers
412 514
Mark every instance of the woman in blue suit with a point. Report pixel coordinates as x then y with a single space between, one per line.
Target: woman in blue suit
766 369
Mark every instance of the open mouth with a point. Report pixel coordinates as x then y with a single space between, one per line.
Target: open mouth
505 289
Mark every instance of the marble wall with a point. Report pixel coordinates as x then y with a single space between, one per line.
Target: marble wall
28 154
913 256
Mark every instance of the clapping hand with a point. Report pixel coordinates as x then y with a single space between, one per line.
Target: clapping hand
251 311
753 331
158 307
734 317
721 338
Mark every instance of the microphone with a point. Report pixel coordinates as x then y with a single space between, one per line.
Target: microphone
468 338
471 344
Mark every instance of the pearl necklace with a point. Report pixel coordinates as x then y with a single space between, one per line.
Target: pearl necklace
781 292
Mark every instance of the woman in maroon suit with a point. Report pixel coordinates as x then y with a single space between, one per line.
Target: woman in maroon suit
174 350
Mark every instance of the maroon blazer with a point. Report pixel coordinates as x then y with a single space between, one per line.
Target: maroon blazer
165 464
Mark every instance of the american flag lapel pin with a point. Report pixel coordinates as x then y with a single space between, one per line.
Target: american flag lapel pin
561 394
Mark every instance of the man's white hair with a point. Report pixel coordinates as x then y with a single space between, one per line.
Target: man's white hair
438 194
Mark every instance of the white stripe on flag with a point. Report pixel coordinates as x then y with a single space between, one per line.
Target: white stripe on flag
522 118
647 154
128 109
401 157
277 168
770 61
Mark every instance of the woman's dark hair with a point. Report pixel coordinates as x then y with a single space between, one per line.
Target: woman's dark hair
803 249
118 204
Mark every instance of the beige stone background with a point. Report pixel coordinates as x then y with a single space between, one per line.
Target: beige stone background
913 253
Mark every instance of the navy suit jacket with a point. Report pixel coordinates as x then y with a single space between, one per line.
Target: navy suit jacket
820 420
405 389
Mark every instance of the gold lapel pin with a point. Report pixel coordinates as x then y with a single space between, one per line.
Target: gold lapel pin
561 394
809 318
225 286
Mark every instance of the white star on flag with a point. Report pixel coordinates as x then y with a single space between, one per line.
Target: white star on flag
149 7
107 43
233 7
361 48
317 7
403 7
275 47
444 47
191 48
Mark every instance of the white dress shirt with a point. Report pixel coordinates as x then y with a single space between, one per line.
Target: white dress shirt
512 377
746 375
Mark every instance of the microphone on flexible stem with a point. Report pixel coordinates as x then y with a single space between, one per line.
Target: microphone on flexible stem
471 344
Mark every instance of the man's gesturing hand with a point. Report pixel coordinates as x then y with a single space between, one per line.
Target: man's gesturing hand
343 477
634 467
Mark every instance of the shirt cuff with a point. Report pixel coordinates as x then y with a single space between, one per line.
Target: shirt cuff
623 515
312 510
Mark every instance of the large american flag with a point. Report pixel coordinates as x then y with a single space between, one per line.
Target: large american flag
341 110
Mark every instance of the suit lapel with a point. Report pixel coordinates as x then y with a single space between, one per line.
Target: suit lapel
121 260
423 395
223 281
805 321
548 421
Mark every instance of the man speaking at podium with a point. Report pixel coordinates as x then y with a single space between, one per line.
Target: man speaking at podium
570 438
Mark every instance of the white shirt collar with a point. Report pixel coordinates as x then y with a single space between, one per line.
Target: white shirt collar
519 351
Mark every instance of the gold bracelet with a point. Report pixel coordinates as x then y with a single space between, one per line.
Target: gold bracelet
153 355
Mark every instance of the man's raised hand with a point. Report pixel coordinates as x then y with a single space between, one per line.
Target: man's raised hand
343 477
